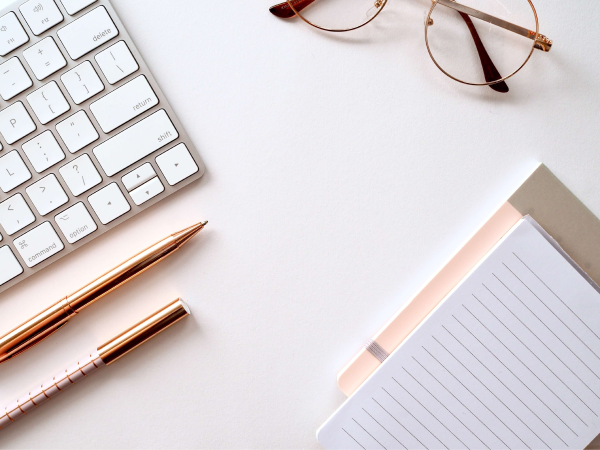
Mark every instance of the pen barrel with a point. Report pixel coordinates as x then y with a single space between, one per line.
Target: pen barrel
34 330
50 389
121 274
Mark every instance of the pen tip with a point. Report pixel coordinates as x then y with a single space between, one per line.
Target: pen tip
185 235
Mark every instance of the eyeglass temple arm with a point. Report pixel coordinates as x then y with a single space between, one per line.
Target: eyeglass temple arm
541 43
284 11
489 69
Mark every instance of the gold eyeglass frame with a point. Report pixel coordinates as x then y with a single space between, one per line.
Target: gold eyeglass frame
540 42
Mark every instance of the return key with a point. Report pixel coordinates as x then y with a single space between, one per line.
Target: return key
124 103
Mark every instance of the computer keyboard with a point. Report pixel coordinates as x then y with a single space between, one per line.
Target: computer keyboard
87 137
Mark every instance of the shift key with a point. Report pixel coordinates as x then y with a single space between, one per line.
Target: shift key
39 244
136 142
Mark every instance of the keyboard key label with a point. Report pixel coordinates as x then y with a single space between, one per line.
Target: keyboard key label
88 32
109 203
15 123
136 142
44 58
13 34
124 103
43 151
41 15
39 244
47 194
76 223
15 214
177 164
13 171
116 62
48 102
77 131
13 78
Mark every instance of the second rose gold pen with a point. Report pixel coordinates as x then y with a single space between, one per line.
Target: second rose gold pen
47 322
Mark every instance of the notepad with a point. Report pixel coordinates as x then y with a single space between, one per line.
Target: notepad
509 359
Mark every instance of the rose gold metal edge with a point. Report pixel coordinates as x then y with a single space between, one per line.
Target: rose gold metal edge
142 331
537 33
53 318
334 30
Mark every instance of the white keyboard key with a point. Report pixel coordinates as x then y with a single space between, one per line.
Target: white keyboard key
74 6
176 164
13 78
80 175
116 62
76 223
136 142
15 214
138 177
13 171
44 58
9 266
47 194
109 203
147 191
43 151
13 35
15 123
41 15
88 32
124 103
77 131
82 82
39 244
48 102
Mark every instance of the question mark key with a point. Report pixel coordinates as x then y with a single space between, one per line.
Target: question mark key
80 175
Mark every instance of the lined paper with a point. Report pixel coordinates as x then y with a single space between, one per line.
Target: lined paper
510 359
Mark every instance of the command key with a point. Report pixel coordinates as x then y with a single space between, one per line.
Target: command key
39 244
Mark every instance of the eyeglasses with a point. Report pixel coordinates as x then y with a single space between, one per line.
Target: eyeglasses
461 47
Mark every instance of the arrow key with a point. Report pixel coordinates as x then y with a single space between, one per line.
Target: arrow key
138 177
147 191
177 164
109 203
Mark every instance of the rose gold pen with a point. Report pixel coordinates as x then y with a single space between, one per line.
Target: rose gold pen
105 355
47 322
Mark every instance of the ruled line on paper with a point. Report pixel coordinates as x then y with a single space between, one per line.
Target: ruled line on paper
344 430
446 408
501 382
478 399
547 327
553 313
551 351
373 437
392 416
526 366
488 389
412 415
432 415
537 357
385 429
553 293
503 362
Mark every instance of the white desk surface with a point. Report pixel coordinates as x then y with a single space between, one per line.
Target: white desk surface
341 172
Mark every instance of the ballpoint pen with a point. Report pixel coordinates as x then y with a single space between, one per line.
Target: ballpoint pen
105 355
47 322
